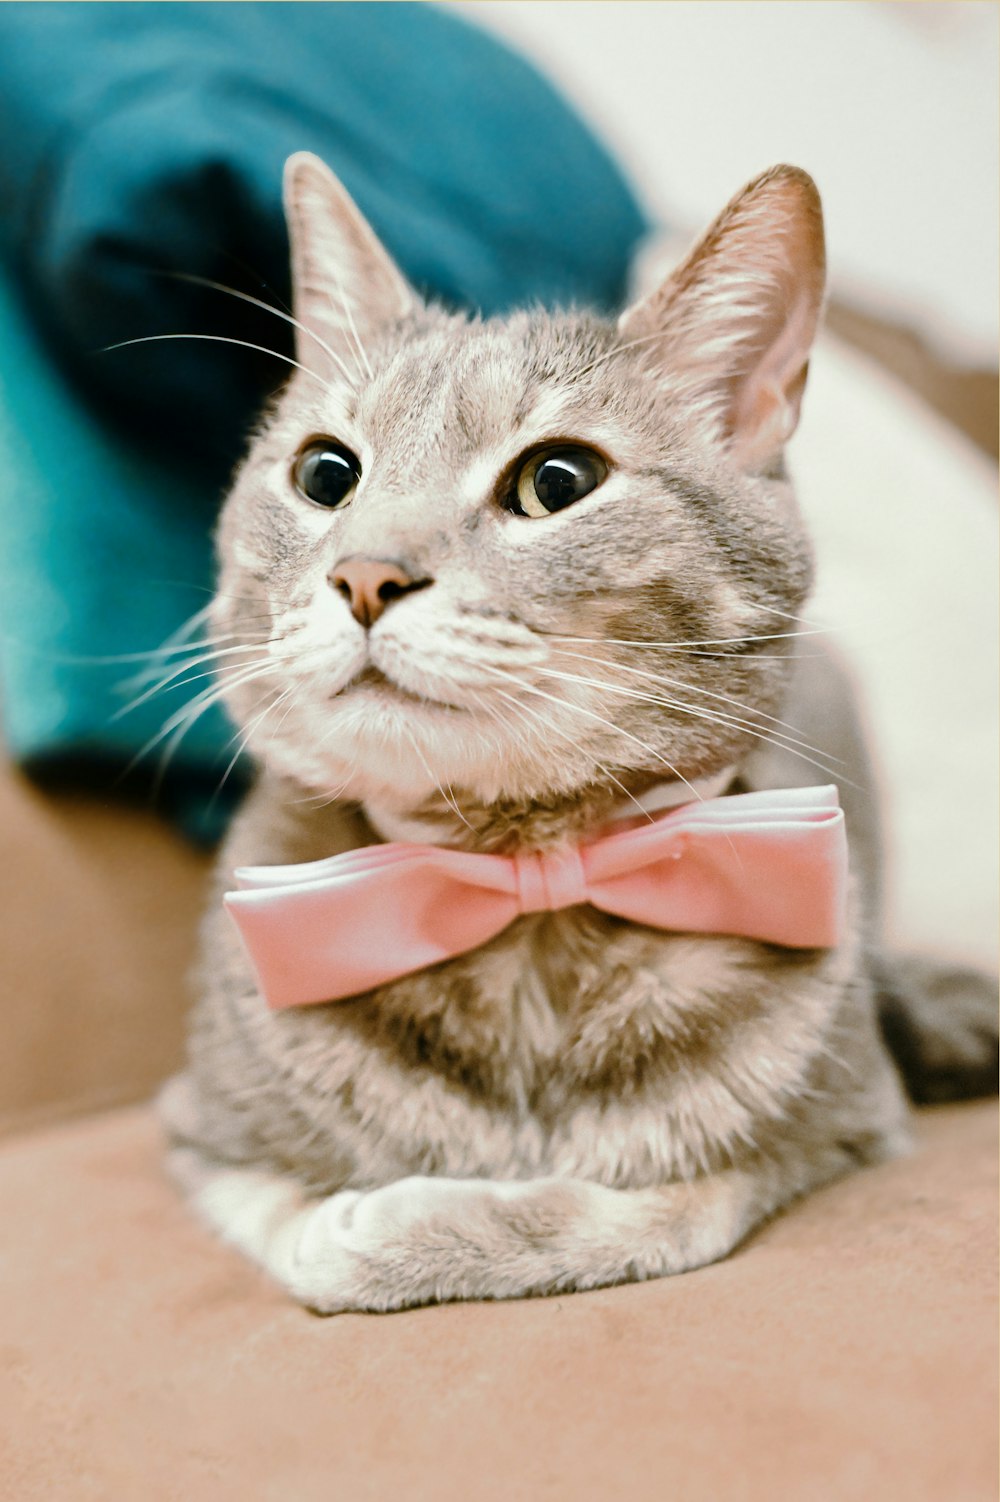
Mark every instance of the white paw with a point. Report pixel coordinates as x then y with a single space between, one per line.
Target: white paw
350 1250
321 1263
396 1208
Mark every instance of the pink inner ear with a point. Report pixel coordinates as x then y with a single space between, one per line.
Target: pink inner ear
767 398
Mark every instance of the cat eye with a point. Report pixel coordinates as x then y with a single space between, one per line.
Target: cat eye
554 479
326 473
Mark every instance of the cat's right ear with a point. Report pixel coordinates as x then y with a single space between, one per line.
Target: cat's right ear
731 328
344 282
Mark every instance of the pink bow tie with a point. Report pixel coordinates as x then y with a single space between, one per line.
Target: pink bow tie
769 866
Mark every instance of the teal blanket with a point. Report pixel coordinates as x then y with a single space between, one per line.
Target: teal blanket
143 144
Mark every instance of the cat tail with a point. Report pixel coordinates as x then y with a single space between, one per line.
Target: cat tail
940 1024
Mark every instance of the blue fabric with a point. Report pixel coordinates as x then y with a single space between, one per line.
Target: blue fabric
148 139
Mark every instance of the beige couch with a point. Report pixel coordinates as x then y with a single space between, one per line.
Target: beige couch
847 1351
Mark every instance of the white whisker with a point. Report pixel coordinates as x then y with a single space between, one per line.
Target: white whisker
258 302
696 712
183 719
452 804
720 641
548 724
220 339
175 678
244 738
325 799
620 349
345 304
609 724
794 734
788 615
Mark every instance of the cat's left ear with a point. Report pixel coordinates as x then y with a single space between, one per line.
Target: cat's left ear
344 282
731 328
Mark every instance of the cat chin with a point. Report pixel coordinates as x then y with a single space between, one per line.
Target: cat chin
397 752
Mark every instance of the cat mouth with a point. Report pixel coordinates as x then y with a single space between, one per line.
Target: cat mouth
374 678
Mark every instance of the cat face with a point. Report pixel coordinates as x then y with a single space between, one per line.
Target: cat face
521 557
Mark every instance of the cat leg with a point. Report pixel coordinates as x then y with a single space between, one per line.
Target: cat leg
424 1240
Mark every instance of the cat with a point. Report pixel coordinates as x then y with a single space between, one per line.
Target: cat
486 584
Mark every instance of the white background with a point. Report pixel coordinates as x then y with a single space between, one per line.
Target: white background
891 105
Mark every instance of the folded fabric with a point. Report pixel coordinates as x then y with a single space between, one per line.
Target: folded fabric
149 145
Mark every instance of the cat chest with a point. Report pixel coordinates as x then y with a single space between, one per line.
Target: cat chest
577 1046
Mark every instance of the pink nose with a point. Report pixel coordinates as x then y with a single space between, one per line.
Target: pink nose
370 584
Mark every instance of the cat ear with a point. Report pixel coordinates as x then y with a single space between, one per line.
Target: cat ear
733 324
345 284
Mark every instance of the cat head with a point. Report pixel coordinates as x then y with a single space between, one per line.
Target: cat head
525 557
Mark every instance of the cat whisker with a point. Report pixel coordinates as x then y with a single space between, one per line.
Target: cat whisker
253 724
165 652
189 721
620 349
157 688
325 799
243 673
178 663
217 594
591 714
549 724
254 272
789 615
794 733
116 659
666 701
781 743
758 656
258 302
184 718
244 739
175 678
174 643
261 349
345 304
189 627
173 646
677 774
451 802
720 641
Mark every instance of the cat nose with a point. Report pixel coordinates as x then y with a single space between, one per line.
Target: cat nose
370 584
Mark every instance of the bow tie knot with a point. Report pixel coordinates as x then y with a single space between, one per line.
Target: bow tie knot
549 880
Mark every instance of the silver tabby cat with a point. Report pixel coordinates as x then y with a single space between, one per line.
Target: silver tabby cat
482 582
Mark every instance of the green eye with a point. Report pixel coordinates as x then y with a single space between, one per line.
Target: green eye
326 473
554 479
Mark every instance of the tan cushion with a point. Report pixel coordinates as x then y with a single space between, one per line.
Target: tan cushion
98 911
845 1354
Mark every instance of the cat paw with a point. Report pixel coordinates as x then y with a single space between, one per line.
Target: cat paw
354 1250
326 1260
